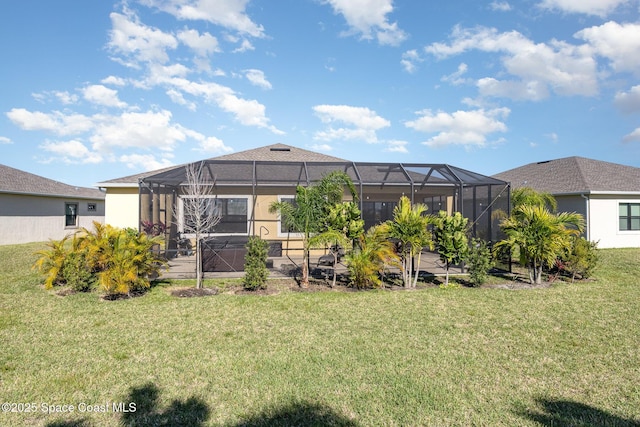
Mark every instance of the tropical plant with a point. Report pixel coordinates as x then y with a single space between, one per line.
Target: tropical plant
409 227
539 236
309 212
529 196
51 262
582 259
370 256
479 262
255 264
335 238
77 272
450 235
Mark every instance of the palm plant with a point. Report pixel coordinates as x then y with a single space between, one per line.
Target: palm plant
539 236
369 258
51 262
308 214
409 226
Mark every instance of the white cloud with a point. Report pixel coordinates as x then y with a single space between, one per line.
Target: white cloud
102 95
55 122
65 97
500 6
457 78
619 43
409 61
137 42
230 14
114 81
71 152
633 136
468 128
179 99
245 46
590 7
147 162
213 145
363 122
369 19
539 68
5 140
257 78
628 102
322 147
396 146
149 130
202 44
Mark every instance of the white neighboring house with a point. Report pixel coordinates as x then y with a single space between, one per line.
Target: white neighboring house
36 209
606 194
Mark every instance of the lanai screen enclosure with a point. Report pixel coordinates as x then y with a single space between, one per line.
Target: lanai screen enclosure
244 189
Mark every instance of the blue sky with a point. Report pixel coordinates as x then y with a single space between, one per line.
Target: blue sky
95 90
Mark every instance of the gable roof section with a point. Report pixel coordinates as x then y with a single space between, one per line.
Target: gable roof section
15 181
574 175
275 152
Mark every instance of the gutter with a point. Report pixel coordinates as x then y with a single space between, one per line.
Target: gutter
588 217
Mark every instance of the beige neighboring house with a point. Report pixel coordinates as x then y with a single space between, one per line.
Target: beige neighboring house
606 194
36 209
246 183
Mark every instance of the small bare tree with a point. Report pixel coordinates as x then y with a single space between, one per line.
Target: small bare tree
200 213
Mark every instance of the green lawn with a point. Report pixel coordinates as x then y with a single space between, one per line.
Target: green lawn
565 355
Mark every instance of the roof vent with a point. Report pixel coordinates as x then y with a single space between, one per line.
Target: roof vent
541 163
279 149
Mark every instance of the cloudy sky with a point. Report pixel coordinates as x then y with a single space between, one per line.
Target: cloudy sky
95 90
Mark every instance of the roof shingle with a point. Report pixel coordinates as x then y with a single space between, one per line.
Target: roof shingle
16 181
573 175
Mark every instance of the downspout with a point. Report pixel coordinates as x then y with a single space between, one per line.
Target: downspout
588 217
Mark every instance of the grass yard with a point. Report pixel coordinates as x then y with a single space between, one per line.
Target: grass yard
564 355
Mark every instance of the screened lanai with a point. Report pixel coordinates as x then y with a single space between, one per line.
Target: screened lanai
244 189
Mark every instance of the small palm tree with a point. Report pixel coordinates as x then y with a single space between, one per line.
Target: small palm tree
370 256
539 236
409 226
450 233
51 261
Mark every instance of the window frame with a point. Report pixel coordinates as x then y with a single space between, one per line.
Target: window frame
181 216
628 217
75 215
286 233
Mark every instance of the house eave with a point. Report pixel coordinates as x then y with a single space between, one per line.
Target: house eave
57 196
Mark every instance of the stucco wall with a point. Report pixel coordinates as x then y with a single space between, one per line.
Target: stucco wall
604 213
26 218
122 207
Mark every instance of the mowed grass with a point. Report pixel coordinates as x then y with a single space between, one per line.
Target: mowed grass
565 355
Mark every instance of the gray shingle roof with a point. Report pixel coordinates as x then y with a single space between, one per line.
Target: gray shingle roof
275 152
15 181
572 175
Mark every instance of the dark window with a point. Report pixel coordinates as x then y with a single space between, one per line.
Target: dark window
91 207
377 212
232 211
629 216
71 214
283 228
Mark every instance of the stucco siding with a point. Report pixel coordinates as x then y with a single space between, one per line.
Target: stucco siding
604 214
25 218
122 207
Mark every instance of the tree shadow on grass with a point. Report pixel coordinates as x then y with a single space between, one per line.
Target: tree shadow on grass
70 423
297 414
574 414
190 412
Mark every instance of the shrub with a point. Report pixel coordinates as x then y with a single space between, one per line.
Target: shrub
479 262
51 262
77 273
255 264
582 259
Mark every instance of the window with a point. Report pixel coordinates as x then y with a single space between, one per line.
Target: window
377 212
70 214
233 215
91 207
629 216
283 229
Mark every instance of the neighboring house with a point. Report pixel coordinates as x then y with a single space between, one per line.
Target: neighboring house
35 209
247 182
606 194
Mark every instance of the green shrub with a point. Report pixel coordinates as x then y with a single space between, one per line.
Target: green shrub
255 264
582 259
51 262
77 273
479 262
